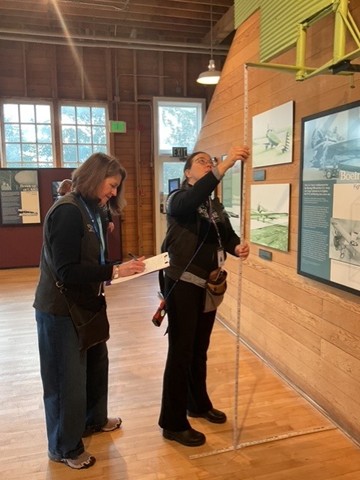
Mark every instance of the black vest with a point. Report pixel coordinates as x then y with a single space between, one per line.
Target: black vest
48 297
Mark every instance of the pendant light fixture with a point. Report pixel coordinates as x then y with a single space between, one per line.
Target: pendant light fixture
211 76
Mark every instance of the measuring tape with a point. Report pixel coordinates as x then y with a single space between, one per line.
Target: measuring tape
273 438
242 234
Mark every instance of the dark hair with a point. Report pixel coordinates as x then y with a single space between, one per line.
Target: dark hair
190 159
87 178
188 164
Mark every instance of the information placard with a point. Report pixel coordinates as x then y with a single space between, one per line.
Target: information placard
19 196
329 228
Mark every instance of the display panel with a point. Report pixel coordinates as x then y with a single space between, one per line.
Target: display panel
19 197
329 228
272 136
232 194
270 207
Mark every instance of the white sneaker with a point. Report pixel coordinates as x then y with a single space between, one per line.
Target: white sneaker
84 460
112 424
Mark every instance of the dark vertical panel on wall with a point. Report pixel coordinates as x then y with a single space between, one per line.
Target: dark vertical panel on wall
69 73
146 192
147 73
38 73
94 65
12 77
124 75
173 74
124 149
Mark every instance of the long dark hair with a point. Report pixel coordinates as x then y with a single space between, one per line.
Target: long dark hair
87 178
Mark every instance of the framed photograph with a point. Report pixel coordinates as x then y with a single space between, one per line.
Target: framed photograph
272 136
19 196
231 192
329 220
269 217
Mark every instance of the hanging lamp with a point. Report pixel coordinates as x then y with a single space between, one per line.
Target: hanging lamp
211 76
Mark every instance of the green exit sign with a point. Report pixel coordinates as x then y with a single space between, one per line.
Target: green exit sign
117 126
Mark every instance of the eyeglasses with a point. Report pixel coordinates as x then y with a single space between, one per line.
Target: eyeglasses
204 162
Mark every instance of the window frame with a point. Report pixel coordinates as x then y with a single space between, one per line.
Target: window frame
199 103
81 104
19 101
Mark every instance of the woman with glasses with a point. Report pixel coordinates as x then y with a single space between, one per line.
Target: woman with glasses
198 236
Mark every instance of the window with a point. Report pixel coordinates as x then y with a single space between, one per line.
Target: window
83 131
27 135
178 124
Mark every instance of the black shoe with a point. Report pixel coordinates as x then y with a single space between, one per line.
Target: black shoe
189 438
212 415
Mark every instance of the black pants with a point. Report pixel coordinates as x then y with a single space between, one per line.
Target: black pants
184 386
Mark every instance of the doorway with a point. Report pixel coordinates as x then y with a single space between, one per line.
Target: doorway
177 125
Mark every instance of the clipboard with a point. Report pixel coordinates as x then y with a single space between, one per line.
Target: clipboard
152 264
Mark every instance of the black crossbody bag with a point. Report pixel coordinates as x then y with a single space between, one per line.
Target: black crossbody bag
92 327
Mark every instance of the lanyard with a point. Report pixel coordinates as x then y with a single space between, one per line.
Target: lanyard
213 221
97 224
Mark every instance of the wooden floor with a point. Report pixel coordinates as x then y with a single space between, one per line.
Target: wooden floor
279 435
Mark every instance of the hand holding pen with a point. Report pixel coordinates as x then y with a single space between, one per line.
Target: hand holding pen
136 265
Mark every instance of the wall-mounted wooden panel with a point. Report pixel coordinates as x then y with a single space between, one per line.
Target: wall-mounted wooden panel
69 69
308 331
12 77
38 74
95 78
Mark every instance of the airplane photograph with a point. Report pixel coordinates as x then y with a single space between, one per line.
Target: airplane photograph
331 155
272 134
331 145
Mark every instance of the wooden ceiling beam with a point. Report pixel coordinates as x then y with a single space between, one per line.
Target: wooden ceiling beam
186 21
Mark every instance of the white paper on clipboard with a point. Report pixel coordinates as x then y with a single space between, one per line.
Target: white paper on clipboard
152 264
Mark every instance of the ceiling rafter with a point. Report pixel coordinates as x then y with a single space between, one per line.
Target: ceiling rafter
186 22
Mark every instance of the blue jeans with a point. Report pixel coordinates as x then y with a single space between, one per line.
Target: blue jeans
75 384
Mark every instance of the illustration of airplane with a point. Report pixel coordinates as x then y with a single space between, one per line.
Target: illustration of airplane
345 241
273 140
263 215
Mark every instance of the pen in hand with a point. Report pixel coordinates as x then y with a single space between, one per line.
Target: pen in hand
138 265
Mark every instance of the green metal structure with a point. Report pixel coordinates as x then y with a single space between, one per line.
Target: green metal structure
340 63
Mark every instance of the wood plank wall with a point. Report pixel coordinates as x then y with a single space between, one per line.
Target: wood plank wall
127 80
308 331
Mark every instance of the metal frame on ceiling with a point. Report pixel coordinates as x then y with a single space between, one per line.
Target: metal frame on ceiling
341 61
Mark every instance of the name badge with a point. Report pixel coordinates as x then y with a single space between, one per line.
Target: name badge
220 257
